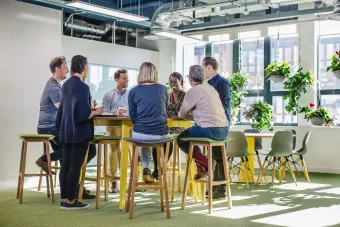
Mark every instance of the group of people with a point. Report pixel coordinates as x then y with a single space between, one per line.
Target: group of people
67 113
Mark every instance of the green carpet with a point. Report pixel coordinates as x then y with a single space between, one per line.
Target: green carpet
315 204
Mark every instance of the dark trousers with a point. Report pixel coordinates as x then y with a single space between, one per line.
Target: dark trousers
57 147
211 133
154 155
73 158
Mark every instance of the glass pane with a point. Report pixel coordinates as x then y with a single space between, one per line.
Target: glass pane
252 51
282 29
288 51
281 115
246 102
193 55
223 53
332 103
327 47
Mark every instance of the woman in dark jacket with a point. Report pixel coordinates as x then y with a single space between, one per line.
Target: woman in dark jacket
74 120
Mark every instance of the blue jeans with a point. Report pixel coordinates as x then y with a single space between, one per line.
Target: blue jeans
146 151
212 133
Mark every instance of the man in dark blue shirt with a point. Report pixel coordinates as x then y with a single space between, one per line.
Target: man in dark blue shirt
222 86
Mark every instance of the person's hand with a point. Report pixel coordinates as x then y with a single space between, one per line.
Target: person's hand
93 103
99 111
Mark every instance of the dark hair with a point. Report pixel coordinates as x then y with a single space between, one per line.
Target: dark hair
56 63
118 72
78 63
178 76
210 61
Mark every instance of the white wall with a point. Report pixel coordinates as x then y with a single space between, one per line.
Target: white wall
29 39
107 53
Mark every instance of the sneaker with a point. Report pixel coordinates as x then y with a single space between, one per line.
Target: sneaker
62 205
75 206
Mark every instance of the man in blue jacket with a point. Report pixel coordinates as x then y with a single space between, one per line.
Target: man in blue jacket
222 86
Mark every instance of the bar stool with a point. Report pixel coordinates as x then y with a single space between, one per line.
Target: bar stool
209 144
162 172
100 140
35 138
56 170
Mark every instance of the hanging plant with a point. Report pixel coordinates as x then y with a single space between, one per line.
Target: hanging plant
237 83
278 72
335 65
318 116
295 85
259 115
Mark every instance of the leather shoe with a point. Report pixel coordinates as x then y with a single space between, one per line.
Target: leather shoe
43 165
114 187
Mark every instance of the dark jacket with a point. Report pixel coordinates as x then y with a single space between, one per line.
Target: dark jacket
74 111
222 86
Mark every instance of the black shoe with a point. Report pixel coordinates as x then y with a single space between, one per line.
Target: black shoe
75 206
219 192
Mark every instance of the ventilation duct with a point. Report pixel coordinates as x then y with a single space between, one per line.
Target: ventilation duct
335 15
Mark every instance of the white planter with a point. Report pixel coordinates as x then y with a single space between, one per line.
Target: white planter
277 78
317 121
336 74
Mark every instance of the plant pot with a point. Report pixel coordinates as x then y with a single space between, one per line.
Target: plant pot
277 78
318 121
336 73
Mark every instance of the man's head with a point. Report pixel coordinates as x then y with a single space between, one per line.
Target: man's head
59 68
210 66
121 78
196 75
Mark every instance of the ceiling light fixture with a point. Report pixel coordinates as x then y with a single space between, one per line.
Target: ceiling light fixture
107 11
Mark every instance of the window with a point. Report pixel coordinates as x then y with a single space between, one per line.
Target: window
219 38
252 62
329 86
223 53
281 115
193 55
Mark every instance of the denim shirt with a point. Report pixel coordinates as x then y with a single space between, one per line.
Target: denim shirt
114 99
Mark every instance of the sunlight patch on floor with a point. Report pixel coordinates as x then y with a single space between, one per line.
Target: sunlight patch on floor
301 186
314 217
335 191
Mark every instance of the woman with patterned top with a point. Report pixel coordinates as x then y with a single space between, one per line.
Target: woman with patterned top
175 101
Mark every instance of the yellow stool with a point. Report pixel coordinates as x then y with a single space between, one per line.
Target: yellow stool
100 140
35 138
162 172
209 143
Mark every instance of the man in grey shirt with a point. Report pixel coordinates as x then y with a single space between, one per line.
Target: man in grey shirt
116 103
49 104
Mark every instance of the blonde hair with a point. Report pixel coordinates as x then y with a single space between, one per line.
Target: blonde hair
147 73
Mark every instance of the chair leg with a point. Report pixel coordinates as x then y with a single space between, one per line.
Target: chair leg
20 169
179 167
47 183
248 169
291 170
262 171
164 170
48 154
273 171
269 161
226 177
187 175
174 159
82 177
283 171
99 165
40 180
295 166
210 179
132 170
56 164
134 182
305 172
264 164
161 183
106 190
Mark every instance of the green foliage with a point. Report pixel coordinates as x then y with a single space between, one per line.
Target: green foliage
281 69
260 115
335 64
295 85
319 112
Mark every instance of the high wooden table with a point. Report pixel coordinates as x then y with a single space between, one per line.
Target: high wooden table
251 149
126 125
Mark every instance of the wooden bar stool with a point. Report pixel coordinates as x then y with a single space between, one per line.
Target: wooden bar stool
56 170
162 172
209 144
100 140
35 138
